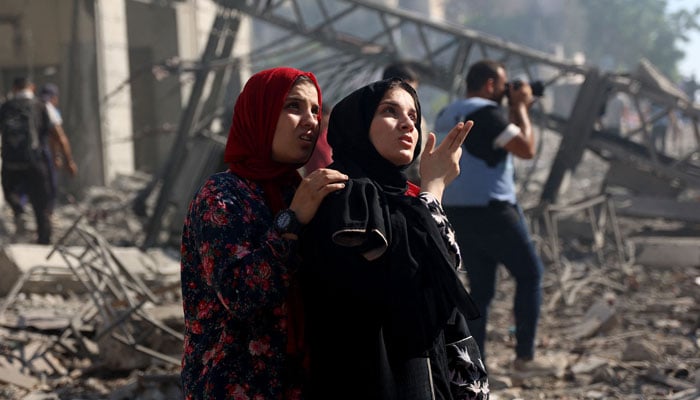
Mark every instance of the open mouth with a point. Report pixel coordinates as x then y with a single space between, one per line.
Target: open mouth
407 140
307 137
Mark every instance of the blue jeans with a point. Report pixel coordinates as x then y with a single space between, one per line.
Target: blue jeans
493 235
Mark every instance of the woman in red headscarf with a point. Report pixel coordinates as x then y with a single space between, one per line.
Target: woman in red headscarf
238 245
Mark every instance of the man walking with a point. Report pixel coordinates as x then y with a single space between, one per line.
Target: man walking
25 127
60 154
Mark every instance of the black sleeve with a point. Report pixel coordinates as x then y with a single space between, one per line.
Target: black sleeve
2 116
489 123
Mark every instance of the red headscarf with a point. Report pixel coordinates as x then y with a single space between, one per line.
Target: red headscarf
255 115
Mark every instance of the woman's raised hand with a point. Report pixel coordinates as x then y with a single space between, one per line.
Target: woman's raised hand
313 189
439 166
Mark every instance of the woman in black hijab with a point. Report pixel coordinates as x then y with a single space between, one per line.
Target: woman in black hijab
384 308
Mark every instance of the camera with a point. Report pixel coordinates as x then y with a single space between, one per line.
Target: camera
537 87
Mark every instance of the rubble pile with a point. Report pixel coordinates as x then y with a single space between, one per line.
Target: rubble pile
92 316
617 332
616 323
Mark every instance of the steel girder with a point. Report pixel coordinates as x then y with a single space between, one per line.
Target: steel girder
344 42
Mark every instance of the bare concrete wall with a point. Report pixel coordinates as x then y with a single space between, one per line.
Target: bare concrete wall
156 100
91 49
113 72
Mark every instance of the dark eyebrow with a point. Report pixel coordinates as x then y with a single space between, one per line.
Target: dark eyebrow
299 98
393 103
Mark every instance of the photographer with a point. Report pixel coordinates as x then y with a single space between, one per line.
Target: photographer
482 205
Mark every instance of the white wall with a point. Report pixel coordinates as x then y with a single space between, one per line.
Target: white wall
112 71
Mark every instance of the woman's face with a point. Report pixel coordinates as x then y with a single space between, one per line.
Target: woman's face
297 126
393 132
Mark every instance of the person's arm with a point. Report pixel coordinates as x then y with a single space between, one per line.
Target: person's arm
244 259
446 230
241 256
55 148
522 145
59 140
313 189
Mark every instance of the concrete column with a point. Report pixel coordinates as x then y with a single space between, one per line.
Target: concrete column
112 72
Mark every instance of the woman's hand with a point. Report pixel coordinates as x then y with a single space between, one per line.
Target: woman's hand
439 166
313 189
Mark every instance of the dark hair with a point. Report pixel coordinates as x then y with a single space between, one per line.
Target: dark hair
302 78
48 91
400 70
480 72
20 82
401 83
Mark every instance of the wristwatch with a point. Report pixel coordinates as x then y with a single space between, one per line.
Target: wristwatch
286 222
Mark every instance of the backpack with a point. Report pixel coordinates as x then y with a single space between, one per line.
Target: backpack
21 146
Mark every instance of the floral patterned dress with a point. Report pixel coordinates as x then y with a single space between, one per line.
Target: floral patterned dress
235 276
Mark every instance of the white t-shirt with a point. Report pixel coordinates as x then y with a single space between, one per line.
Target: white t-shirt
54 114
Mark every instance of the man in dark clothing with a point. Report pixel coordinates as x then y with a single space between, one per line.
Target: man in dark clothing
26 129
482 204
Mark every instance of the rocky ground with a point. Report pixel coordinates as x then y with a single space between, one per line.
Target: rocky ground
612 332
613 328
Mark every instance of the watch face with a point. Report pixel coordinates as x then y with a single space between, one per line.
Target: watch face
286 222
283 220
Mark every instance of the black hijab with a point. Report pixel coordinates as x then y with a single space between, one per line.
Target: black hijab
395 233
348 134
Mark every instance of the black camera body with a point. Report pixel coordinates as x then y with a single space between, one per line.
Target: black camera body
537 87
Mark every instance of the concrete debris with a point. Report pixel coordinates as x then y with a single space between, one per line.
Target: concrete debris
674 252
599 318
640 351
588 365
616 323
52 274
81 318
11 373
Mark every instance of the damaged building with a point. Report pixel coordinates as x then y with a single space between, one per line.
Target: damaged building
147 89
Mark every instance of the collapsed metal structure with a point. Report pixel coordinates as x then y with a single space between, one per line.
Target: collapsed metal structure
117 307
345 42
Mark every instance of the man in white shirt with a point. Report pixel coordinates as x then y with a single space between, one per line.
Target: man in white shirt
60 147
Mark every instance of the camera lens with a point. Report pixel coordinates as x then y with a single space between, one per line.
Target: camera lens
537 87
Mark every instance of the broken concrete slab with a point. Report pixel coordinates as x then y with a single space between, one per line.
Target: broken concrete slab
589 364
666 252
640 350
657 207
600 317
56 277
10 373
